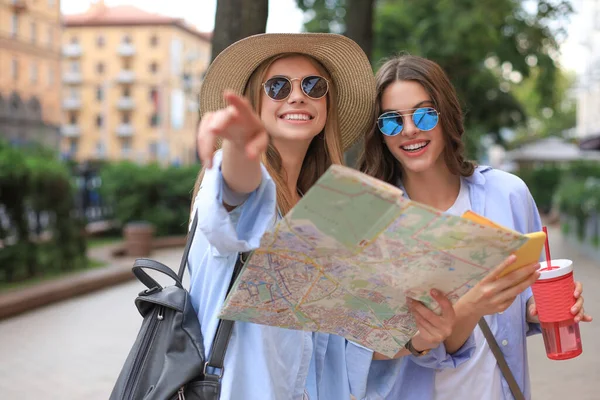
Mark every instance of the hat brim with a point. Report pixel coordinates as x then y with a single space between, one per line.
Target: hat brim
345 61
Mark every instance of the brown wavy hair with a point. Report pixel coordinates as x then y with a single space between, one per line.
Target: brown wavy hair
376 159
324 150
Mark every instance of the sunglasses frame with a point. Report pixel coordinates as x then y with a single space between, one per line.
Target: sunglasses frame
399 114
291 82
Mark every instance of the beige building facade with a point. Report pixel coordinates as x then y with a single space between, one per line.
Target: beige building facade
30 43
130 85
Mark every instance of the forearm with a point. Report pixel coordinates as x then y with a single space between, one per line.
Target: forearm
466 321
242 174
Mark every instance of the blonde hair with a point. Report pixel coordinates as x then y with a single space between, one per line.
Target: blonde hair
324 150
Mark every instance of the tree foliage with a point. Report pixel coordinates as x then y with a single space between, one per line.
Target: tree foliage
486 47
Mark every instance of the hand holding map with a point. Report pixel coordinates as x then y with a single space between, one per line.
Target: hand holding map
345 258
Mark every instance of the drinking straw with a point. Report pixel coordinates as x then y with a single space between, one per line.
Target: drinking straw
547 247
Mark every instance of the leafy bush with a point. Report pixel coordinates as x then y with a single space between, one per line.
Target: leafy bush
150 193
579 194
543 183
34 182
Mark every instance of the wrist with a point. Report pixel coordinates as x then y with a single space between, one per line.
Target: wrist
419 344
465 309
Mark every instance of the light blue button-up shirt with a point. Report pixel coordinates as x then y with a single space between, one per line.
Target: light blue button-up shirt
270 363
505 199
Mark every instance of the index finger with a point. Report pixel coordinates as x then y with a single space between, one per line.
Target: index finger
241 104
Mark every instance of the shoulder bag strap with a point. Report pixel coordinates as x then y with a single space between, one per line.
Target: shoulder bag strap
188 245
508 375
221 340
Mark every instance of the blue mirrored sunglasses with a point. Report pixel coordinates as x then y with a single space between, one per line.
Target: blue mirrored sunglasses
391 123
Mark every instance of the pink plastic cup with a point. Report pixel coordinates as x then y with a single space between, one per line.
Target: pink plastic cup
553 293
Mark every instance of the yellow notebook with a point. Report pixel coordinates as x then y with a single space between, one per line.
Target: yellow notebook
527 254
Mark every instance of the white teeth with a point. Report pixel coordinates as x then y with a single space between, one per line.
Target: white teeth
297 117
415 146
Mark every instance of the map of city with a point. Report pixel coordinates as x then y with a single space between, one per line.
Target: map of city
345 258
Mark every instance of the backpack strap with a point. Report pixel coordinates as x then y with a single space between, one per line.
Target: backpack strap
188 245
221 340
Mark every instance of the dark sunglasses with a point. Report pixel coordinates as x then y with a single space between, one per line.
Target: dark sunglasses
279 87
391 123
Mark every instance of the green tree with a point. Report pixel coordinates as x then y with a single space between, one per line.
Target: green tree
486 47
353 18
546 120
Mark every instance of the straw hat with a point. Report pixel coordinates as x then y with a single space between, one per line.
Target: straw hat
345 61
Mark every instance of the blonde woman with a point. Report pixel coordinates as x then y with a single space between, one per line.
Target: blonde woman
307 98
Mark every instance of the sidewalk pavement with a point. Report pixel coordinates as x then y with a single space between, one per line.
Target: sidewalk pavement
17 301
75 349
578 378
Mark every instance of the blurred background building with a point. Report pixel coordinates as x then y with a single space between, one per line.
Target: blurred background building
30 92
130 85
589 81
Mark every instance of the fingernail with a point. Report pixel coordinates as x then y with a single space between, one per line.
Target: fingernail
434 292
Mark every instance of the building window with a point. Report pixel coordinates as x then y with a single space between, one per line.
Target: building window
33 33
100 41
74 66
99 121
154 120
154 67
33 73
153 148
50 37
99 93
126 91
14 25
14 70
126 118
73 93
127 39
154 41
100 68
125 146
100 149
127 64
73 118
74 40
73 146
50 76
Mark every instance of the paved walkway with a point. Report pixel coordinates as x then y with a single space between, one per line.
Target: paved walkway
579 378
74 350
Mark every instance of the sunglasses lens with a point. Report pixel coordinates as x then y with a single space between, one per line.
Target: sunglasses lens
425 118
278 88
390 123
314 87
